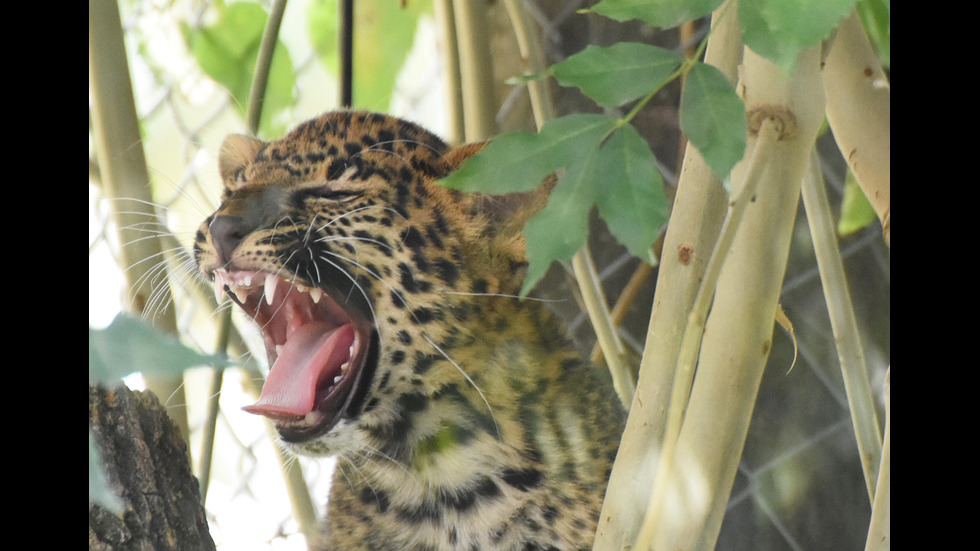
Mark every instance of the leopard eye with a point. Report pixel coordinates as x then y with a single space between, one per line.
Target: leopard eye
339 195
336 195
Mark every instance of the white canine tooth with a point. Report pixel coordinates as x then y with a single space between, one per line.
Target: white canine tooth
241 293
350 353
315 294
247 280
219 286
270 287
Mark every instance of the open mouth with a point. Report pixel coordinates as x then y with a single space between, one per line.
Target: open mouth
322 354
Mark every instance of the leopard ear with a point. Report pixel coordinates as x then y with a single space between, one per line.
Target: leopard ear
507 214
236 152
455 157
504 215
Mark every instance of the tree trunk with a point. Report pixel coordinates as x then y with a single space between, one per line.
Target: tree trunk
145 462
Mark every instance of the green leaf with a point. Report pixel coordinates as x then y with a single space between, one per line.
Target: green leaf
562 227
227 52
713 117
856 211
656 13
99 491
780 29
620 175
877 19
631 197
518 161
617 74
383 37
129 345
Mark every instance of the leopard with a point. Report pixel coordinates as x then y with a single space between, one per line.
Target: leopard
460 414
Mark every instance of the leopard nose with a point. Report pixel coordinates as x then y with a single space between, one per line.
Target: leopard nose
227 233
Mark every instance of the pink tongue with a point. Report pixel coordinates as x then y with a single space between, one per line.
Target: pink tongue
311 355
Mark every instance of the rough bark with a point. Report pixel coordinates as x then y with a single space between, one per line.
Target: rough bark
145 462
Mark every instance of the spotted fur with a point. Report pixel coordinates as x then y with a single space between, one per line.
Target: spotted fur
480 426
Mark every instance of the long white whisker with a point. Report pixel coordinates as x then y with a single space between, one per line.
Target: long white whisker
355 211
467 377
367 299
337 238
502 295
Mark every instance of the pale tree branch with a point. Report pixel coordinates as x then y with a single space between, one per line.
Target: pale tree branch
859 113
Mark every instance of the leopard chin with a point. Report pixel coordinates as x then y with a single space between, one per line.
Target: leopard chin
321 346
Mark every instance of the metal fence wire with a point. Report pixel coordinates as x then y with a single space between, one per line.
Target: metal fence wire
799 485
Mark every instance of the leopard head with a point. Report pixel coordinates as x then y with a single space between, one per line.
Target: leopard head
355 266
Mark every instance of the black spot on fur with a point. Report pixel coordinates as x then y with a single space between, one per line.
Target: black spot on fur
480 286
407 278
352 148
413 238
405 174
550 514
421 262
523 480
447 271
463 500
424 362
413 403
375 497
433 237
386 139
336 168
423 315
384 380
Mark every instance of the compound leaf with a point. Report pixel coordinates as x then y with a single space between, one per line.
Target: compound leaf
129 345
656 13
631 196
779 30
562 227
518 161
619 73
713 117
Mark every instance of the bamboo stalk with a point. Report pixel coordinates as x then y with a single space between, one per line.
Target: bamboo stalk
533 62
586 274
623 302
476 69
345 51
696 219
125 179
879 533
595 304
694 330
859 112
263 63
450 50
843 321
739 330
